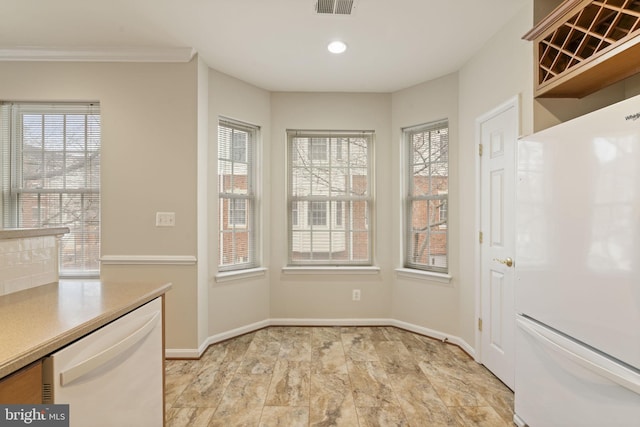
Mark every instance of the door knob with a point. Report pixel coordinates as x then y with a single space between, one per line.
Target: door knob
508 261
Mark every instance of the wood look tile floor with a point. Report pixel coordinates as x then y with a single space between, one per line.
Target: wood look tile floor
334 376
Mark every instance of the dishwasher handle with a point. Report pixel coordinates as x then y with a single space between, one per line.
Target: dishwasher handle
94 362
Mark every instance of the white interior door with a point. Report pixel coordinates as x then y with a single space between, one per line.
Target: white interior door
498 132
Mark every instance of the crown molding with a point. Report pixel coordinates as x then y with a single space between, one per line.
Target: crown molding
98 54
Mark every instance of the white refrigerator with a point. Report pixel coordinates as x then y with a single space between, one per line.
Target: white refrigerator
578 272
113 376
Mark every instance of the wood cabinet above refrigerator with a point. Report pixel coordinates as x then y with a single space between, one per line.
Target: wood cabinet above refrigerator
583 46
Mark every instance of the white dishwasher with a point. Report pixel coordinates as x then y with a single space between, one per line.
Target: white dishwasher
113 376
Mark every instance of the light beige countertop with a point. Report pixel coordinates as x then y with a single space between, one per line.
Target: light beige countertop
41 320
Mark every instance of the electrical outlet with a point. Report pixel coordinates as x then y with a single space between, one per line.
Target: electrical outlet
355 296
165 219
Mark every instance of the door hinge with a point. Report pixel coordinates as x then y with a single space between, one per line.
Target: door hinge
480 324
480 150
480 236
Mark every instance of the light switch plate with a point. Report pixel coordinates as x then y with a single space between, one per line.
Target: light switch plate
165 219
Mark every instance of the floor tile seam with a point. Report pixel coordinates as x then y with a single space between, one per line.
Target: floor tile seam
394 388
264 402
186 385
507 422
226 386
386 378
308 372
260 404
209 419
397 397
273 374
390 383
437 393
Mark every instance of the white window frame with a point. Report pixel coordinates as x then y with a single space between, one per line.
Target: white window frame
299 143
82 244
231 232
439 226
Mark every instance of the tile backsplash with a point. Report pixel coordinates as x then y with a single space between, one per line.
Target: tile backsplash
28 262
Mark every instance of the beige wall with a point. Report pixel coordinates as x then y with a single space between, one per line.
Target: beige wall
421 301
244 301
324 295
501 70
148 164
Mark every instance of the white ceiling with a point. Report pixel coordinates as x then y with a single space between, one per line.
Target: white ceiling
278 45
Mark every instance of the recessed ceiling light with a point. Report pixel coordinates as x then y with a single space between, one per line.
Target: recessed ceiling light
337 47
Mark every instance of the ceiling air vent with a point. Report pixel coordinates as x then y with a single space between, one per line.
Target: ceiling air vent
335 7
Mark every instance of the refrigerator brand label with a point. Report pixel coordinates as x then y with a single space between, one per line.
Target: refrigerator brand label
35 415
633 117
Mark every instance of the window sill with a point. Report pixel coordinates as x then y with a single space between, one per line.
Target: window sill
355 270
422 275
228 276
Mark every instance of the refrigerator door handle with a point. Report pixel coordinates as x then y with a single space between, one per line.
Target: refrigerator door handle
94 362
614 372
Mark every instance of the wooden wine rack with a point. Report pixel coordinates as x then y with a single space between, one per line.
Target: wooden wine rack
585 45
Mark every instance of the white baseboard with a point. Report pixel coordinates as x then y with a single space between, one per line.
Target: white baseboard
329 322
431 333
519 421
182 353
237 332
196 353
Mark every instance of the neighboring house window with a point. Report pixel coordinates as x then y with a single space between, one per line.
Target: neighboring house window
318 149
238 212
426 200
329 177
51 176
317 213
237 195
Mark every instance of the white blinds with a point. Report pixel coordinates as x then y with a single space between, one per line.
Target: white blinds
237 196
51 176
330 198
426 226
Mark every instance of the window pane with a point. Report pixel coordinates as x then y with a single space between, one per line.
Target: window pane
32 125
54 169
318 149
239 148
360 245
238 212
32 169
237 216
80 248
53 132
301 244
329 191
428 188
57 171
